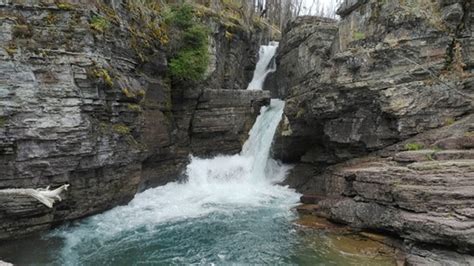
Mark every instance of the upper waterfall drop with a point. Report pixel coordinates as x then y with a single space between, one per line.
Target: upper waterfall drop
265 65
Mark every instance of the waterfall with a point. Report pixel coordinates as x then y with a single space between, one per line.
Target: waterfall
253 164
215 190
265 65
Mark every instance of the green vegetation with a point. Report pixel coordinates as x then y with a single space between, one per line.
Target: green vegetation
99 24
449 121
134 107
469 134
121 129
190 61
414 146
104 75
64 5
189 65
456 60
22 31
11 49
51 18
3 121
182 16
300 112
358 36
128 93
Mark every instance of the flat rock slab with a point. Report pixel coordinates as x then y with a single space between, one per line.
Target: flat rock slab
311 199
414 156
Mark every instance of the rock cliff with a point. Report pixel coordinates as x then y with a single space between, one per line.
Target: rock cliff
379 118
86 100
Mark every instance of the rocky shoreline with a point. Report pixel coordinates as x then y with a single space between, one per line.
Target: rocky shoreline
379 121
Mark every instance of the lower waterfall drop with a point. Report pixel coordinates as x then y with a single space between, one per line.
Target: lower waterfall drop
233 198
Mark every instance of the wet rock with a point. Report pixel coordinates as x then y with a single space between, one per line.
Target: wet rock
433 256
311 199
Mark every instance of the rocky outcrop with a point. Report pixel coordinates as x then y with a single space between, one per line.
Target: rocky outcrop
302 37
424 196
391 86
85 100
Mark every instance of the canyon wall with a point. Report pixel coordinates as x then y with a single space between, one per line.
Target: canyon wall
379 118
86 99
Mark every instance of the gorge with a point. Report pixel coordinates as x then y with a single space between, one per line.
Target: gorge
194 163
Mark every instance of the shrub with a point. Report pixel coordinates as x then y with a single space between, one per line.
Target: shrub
182 16
190 61
195 37
189 65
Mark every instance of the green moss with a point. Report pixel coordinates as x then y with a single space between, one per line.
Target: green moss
134 107
104 127
104 75
99 24
121 129
300 113
358 35
11 49
229 36
22 31
65 6
430 156
135 144
3 121
449 121
128 93
469 134
414 146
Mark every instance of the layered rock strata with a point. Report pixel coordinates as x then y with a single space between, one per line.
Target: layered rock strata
379 119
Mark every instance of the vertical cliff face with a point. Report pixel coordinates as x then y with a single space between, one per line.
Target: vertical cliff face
390 84
389 73
85 100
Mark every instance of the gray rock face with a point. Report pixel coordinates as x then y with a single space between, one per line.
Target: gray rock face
234 55
302 53
80 106
392 87
373 83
